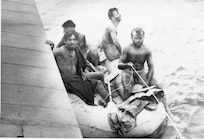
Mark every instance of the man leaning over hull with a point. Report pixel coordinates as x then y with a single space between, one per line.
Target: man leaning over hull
90 72
72 64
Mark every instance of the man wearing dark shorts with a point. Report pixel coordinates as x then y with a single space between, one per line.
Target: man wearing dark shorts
71 64
136 54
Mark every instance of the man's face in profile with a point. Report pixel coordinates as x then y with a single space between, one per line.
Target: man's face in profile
117 15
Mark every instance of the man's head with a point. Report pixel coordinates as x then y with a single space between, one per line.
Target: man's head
137 36
68 26
71 40
114 14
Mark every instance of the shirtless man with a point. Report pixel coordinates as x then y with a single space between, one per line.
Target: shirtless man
110 43
136 54
69 25
71 64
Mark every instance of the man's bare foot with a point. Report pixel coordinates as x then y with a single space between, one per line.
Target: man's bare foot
102 103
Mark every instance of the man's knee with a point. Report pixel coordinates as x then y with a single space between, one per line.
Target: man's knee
100 74
93 57
96 75
99 83
153 82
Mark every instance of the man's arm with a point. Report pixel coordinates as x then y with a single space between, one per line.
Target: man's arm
90 65
150 68
123 60
57 51
115 40
82 41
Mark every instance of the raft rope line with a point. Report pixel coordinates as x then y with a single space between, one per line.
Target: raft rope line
158 102
119 131
124 85
152 94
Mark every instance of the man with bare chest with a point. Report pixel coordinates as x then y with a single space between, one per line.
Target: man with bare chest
136 54
72 64
66 55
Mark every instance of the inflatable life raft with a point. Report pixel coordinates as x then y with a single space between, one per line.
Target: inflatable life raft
93 120
94 123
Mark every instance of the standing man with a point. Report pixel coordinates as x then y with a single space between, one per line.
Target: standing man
72 64
136 54
110 43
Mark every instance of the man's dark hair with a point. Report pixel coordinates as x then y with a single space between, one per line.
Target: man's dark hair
68 23
69 34
110 12
139 31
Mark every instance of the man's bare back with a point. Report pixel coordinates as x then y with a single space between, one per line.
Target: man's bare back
107 39
110 43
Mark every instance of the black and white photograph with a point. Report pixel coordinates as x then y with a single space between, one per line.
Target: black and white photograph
102 69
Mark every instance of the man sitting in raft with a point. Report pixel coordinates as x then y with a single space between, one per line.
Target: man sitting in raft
71 64
91 72
136 54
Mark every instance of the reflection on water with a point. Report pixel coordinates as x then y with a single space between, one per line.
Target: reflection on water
173 30
187 103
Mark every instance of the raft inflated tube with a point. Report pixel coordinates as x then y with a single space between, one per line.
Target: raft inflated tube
93 120
158 102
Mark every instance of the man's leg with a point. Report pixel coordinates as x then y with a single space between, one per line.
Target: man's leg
112 66
95 75
144 83
82 88
154 82
127 84
101 90
93 57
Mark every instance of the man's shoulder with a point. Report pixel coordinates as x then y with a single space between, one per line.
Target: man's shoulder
147 49
127 47
111 27
130 45
81 35
59 50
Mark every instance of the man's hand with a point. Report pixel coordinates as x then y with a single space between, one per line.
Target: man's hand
52 45
123 66
90 65
130 64
84 76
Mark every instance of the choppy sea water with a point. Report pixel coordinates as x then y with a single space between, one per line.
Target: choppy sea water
173 31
